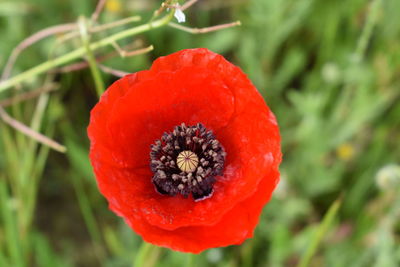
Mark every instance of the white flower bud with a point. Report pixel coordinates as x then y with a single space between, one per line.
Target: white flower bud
214 255
388 177
179 15
331 73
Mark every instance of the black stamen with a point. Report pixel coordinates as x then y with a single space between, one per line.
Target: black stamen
186 161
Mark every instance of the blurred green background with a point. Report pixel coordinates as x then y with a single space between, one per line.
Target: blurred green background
330 71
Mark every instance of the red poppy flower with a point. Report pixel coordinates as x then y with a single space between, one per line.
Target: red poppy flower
186 152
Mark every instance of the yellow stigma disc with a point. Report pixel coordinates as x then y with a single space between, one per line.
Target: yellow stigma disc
187 161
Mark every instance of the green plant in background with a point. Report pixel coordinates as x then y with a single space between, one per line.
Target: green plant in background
330 72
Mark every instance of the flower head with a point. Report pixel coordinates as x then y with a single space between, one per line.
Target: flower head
186 152
388 177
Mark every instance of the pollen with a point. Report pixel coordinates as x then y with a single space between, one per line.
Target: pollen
187 161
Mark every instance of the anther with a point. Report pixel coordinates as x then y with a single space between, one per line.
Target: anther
186 161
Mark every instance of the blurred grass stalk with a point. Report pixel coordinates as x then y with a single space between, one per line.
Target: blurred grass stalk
27 158
321 232
25 167
82 51
94 69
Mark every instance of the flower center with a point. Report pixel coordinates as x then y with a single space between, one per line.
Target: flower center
186 161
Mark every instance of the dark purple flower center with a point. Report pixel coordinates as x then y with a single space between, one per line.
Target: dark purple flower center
186 161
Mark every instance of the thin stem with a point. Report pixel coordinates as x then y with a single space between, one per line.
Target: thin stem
29 132
10 226
117 73
100 28
98 80
115 24
30 41
81 51
188 4
359 54
147 255
83 64
87 213
367 30
159 11
204 30
99 8
124 53
321 231
190 260
29 161
142 254
27 95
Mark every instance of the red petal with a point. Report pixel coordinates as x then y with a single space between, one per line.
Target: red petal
252 150
155 106
189 86
234 227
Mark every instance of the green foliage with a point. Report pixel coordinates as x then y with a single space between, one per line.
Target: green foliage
328 69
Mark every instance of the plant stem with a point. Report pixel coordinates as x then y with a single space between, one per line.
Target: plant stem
190 260
321 231
367 30
10 226
98 80
142 254
79 52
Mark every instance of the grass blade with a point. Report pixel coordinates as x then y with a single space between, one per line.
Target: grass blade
321 231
